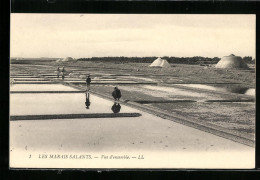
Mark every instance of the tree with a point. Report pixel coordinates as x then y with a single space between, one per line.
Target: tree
247 59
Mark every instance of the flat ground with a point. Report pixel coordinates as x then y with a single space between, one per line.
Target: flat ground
157 94
85 142
179 73
160 89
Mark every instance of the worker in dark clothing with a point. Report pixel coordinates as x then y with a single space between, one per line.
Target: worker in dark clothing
116 107
87 103
116 93
58 72
88 80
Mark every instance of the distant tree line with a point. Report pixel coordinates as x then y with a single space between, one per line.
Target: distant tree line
120 59
249 59
177 60
192 60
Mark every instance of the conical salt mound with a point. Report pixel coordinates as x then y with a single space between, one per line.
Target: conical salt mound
160 63
165 64
68 59
156 63
232 62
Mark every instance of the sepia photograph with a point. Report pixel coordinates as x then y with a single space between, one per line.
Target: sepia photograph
142 91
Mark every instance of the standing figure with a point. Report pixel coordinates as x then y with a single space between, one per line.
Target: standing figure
116 107
88 80
58 72
87 103
116 93
62 72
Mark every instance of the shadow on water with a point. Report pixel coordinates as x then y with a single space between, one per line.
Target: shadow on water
224 88
234 89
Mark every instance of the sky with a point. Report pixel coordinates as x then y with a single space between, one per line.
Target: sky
99 35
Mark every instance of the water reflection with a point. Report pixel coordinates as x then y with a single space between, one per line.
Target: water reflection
116 107
87 103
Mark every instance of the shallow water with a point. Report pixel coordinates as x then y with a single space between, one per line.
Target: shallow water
54 74
101 81
169 93
145 79
60 103
174 91
26 76
29 79
250 92
41 87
